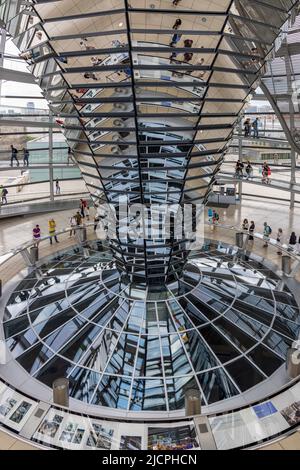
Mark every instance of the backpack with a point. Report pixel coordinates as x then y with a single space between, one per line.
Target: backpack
269 230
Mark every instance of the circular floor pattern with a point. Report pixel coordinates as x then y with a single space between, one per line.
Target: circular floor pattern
224 328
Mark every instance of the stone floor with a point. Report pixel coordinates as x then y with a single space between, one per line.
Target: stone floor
10 442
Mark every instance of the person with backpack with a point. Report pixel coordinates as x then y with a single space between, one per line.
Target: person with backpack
14 153
210 214
267 233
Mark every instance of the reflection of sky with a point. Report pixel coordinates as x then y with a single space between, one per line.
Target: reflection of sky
15 89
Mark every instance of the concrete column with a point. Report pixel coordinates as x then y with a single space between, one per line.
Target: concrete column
61 392
239 239
286 262
192 402
34 254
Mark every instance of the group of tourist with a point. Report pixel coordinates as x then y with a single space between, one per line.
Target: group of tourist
36 232
246 170
251 129
240 167
76 220
293 241
14 156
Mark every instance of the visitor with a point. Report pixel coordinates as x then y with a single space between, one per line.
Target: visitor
87 212
177 24
96 222
247 128
78 219
245 225
293 240
36 232
215 218
264 173
25 157
175 39
57 187
249 170
267 232
255 125
4 194
73 224
279 240
251 231
14 153
187 56
239 169
52 230
268 174
83 205
210 214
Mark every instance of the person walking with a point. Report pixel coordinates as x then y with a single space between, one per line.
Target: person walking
279 240
4 194
36 233
255 126
14 153
25 157
57 187
52 230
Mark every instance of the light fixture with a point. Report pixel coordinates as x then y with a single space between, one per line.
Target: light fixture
120 25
